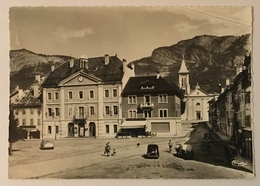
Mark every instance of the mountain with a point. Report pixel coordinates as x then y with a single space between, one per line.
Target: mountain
24 64
210 60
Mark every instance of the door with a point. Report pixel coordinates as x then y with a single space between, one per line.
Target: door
147 99
70 130
92 129
198 115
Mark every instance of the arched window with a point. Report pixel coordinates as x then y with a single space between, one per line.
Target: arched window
197 104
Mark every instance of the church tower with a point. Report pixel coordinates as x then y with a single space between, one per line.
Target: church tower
184 82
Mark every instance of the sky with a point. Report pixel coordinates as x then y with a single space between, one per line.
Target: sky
130 32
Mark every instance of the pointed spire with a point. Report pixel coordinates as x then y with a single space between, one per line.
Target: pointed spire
183 68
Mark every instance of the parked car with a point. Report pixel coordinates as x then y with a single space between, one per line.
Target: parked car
207 137
152 151
185 151
46 144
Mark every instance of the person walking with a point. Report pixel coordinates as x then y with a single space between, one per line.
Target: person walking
170 146
107 149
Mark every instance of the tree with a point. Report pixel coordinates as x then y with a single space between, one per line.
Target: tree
13 130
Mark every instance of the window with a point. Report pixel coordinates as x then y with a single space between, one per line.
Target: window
162 98
57 129
163 113
57 111
70 95
147 113
114 92
80 94
107 129
107 110
183 82
16 111
49 129
132 114
31 121
38 122
24 122
91 94
106 93
23 111
56 95
247 97
31 111
147 99
81 111
131 99
197 104
147 87
49 112
92 110
70 111
115 110
49 95
115 128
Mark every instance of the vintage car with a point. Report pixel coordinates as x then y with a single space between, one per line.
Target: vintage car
185 151
152 151
46 144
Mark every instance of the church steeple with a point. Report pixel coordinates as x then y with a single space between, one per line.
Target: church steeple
184 82
183 68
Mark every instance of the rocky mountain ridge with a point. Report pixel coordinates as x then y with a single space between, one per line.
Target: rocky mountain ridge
209 59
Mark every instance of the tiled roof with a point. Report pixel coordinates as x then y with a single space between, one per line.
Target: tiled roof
113 72
134 85
28 100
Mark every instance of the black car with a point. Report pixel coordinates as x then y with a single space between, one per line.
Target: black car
152 151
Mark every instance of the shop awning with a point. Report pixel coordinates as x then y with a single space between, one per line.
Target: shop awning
133 124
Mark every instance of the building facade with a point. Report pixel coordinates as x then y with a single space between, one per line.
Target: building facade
81 98
150 104
230 113
27 106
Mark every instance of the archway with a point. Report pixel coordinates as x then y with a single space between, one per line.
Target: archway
92 129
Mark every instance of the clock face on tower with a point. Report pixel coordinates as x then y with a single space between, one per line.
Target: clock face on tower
80 78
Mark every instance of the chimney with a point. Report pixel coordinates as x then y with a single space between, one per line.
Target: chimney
52 68
158 75
20 93
124 65
17 87
227 82
71 63
222 90
38 78
106 59
35 90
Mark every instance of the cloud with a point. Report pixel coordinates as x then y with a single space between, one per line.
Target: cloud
62 34
78 33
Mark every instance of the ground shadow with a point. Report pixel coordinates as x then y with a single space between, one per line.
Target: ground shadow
215 155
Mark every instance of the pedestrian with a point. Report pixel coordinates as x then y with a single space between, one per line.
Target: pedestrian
107 149
170 146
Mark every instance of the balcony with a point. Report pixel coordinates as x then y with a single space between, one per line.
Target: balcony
80 117
146 105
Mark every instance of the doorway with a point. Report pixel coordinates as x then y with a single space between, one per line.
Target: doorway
70 130
198 115
92 129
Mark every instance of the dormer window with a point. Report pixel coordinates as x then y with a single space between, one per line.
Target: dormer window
147 87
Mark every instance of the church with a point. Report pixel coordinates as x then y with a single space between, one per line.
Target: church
196 107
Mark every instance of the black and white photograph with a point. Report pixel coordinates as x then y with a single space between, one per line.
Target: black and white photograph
131 92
